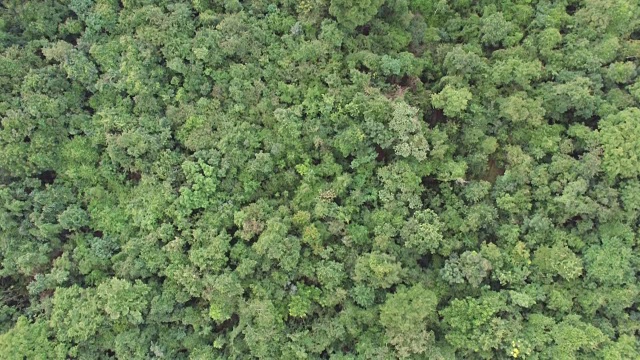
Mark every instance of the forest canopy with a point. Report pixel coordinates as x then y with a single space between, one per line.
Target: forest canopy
319 179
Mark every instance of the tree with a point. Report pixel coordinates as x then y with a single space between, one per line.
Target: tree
470 266
27 340
406 316
558 260
319 179
453 101
422 232
473 325
378 270
351 14
619 145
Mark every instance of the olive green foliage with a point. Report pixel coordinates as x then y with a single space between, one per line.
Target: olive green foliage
319 179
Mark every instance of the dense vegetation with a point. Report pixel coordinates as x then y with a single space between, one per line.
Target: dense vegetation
337 179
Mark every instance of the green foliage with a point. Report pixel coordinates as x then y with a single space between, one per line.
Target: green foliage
424 179
27 341
470 267
406 316
572 335
558 260
472 325
619 142
378 269
422 232
453 101
351 14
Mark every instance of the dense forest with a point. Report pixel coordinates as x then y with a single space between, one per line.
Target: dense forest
319 179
